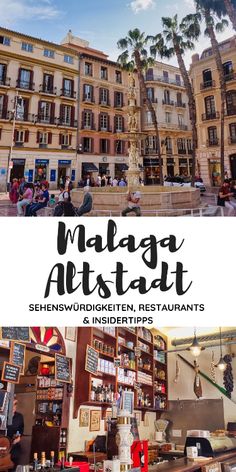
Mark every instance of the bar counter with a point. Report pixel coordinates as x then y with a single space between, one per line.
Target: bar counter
186 465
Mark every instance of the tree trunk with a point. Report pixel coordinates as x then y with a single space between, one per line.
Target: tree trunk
231 11
150 108
220 70
191 105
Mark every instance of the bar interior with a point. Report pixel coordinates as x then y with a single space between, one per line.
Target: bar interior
117 399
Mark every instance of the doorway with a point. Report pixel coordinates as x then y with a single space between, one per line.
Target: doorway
18 169
233 166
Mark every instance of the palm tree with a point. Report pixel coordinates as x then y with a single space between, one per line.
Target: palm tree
135 55
175 39
230 6
209 9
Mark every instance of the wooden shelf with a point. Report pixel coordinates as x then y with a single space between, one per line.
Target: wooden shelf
101 404
125 347
145 341
99 333
146 371
125 384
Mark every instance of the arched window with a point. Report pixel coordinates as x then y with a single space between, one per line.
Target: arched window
228 70
212 136
48 337
231 102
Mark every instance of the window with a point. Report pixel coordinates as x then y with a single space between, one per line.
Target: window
228 70
25 79
66 115
68 59
149 118
212 136
177 79
207 78
87 119
28 47
20 136
189 146
168 144
104 122
118 76
88 68
44 112
5 40
166 100
104 146
118 99
66 140
231 102
180 120
232 130
22 109
104 96
181 144
149 74
119 147
43 138
48 83
150 93
3 71
168 117
88 93
179 99
210 107
104 73
49 53
87 144
119 124
165 76
68 86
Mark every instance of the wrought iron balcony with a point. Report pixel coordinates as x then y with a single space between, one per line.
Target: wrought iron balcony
212 142
165 80
5 81
208 84
232 139
68 93
88 127
105 103
69 124
182 151
48 90
25 85
230 76
168 102
214 115
230 110
180 105
50 120
21 116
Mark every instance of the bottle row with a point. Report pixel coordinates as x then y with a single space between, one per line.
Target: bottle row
102 393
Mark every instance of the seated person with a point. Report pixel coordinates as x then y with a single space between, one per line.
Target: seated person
31 210
87 204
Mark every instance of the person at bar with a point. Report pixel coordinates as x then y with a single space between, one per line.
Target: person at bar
14 432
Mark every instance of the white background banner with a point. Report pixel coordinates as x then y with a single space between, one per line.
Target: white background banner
204 263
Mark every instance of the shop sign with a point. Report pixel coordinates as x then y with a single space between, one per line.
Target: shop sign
64 161
17 355
3 171
18 162
91 360
10 373
41 347
52 175
41 161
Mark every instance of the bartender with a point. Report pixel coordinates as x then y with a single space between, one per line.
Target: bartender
14 432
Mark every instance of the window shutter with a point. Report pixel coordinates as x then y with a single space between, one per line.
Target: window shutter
26 110
92 145
4 109
99 122
108 123
49 138
108 146
63 86
31 79
19 76
0 133
84 92
115 120
60 139
123 124
70 139
122 99
39 110
92 120
52 113
100 96
15 135
72 121
61 113
4 76
83 120
108 98
115 99
92 93
100 145
37 136
72 88
27 136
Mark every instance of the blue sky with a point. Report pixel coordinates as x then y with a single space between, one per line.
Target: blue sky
102 22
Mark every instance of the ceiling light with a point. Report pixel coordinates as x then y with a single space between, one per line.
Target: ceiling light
195 347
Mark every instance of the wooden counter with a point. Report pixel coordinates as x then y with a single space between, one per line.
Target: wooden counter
186 465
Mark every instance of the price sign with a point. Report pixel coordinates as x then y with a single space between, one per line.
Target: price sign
17 355
127 401
11 373
15 334
91 360
62 368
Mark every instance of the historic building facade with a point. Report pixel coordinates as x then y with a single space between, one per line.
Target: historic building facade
101 117
38 108
208 100
167 93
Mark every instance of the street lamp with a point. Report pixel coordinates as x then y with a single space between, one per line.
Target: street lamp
9 163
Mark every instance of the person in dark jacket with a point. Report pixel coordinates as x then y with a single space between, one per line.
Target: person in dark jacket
87 204
14 432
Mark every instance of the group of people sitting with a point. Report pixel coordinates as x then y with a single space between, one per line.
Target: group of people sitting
227 196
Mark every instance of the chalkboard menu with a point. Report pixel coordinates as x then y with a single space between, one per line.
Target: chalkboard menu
11 373
127 401
13 333
17 355
91 360
62 368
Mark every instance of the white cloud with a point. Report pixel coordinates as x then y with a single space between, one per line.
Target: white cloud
14 10
139 5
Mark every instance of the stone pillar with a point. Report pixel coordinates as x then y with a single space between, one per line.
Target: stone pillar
124 441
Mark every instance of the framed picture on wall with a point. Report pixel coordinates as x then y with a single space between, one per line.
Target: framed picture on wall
137 415
107 416
70 334
84 418
95 420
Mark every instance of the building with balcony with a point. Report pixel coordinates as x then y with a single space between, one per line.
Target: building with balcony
101 116
39 90
167 93
208 101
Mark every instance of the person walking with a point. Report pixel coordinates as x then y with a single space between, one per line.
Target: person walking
133 204
14 192
225 200
25 199
87 204
122 182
